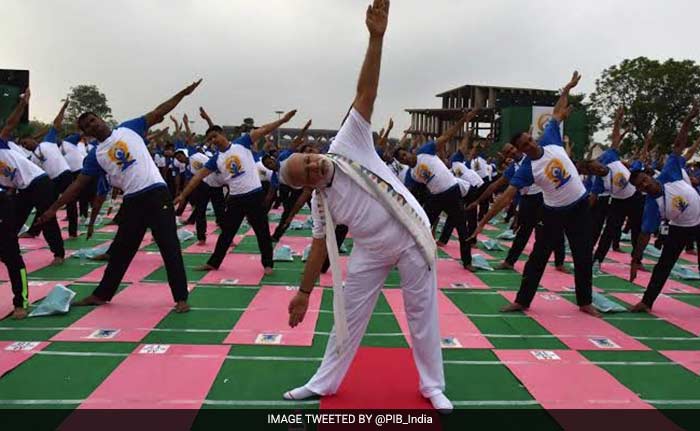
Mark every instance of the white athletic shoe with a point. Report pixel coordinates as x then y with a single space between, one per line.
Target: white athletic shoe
300 393
441 403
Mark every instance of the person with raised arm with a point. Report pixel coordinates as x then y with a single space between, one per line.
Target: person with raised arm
672 207
625 201
353 186
47 154
428 168
565 206
122 156
34 188
246 198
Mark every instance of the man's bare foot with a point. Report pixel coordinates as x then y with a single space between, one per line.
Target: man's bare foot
19 313
564 269
205 267
103 256
505 265
589 309
512 307
57 261
182 307
89 300
470 268
26 235
268 271
202 242
642 268
440 243
640 307
75 235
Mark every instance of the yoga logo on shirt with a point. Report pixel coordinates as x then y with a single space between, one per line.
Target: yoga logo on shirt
234 166
197 165
7 171
679 203
620 180
424 174
458 172
120 155
556 173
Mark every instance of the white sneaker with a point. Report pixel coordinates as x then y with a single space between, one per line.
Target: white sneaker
300 393
441 403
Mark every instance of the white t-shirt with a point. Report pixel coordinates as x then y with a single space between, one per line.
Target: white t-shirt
370 225
74 154
480 166
237 165
460 170
264 173
125 160
14 147
431 171
197 162
159 160
618 177
51 160
554 172
16 171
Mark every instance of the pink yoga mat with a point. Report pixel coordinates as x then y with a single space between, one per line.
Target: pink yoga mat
130 315
33 260
671 286
266 320
13 353
154 377
451 272
679 313
32 243
379 378
553 280
37 291
112 228
452 249
456 330
692 258
579 331
144 263
690 359
625 258
564 379
236 269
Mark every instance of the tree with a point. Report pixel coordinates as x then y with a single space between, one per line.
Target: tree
654 94
87 98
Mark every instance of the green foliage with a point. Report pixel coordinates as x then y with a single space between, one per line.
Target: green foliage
653 94
84 98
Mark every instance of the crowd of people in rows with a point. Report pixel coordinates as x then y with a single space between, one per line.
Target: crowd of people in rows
388 197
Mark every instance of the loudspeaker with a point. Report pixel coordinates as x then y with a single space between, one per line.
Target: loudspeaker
12 84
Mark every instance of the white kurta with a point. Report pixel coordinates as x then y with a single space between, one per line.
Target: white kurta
380 244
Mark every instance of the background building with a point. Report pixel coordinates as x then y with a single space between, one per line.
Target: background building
503 112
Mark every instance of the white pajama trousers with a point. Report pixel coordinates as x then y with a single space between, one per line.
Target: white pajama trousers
367 271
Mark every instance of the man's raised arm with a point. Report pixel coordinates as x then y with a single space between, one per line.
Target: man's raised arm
157 115
682 138
300 138
442 141
270 127
16 116
376 20
205 117
58 121
562 109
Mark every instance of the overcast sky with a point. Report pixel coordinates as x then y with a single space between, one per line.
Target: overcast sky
258 56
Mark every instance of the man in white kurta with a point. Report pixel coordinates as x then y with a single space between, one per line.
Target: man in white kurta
381 241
